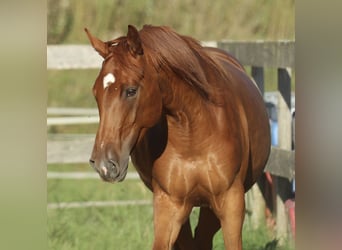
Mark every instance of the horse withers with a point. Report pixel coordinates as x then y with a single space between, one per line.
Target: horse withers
194 125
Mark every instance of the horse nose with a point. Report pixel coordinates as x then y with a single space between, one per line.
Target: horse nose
108 169
102 170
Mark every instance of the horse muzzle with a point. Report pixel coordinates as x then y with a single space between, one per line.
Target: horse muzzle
110 170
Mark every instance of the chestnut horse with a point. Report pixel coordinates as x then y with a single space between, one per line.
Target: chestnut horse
194 124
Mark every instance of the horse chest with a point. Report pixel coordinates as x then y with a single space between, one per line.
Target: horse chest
196 181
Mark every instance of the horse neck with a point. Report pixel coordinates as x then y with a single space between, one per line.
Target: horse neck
189 117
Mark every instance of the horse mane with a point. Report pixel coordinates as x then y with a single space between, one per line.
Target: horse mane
184 57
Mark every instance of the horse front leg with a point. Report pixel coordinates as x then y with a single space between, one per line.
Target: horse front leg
168 218
208 225
185 240
230 209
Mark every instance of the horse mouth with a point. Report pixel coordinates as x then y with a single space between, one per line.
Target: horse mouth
114 175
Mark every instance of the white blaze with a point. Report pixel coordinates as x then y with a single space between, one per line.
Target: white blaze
108 79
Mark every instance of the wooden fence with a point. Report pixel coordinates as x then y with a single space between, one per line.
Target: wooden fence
278 55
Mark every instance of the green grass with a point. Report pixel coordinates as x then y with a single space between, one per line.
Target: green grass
125 227
128 227
100 228
209 20
77 167
73 129
66 190
69 167
71 88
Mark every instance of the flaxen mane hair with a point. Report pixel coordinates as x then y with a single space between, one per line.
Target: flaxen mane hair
184 57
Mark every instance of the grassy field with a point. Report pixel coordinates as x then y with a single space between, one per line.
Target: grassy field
100 228
71 88
210 20
120 228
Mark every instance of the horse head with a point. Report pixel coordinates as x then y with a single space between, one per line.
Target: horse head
128 100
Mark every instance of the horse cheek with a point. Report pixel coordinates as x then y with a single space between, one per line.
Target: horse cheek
150 112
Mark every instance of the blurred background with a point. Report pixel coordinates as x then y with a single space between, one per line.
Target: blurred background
204 20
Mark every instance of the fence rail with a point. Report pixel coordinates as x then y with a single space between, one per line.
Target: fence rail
72 111
72 120
85 175
72 57
68 116
75 148
278 54
64 205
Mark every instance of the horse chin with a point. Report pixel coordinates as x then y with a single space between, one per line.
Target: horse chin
122 175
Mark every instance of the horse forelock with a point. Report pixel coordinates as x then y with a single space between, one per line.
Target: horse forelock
118 49
181 56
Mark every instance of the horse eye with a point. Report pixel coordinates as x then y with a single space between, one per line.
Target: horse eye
130 92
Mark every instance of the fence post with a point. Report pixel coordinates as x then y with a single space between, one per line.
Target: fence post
255 201
284 142
255 207
258 76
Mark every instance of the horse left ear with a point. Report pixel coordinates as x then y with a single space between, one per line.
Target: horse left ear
98 45
134 42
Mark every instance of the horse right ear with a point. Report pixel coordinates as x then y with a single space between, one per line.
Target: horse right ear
98 45
134 42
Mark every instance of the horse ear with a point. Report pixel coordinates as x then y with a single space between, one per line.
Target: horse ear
98 45
134 42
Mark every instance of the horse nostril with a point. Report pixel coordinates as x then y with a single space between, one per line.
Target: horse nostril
92 163
113 166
